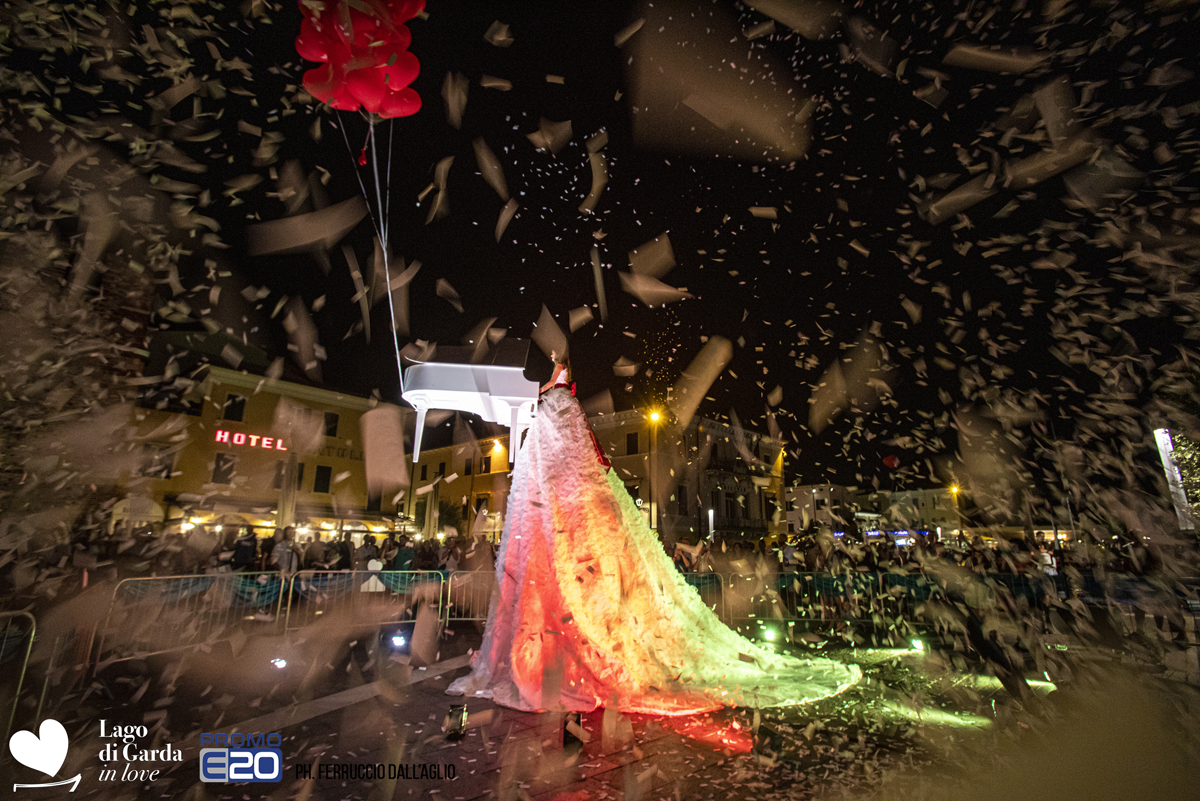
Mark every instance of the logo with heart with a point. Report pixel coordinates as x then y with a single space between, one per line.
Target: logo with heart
43 752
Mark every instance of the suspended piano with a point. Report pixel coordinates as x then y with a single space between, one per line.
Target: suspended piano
495 387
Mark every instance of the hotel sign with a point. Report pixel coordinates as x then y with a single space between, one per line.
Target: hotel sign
249 440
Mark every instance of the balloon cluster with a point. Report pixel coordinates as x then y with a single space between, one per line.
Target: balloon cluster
363 45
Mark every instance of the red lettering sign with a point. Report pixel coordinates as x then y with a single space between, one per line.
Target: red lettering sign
252 440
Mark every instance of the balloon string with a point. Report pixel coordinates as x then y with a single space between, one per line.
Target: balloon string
381 232
387 194
386 269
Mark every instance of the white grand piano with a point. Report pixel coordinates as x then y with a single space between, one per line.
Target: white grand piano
495 388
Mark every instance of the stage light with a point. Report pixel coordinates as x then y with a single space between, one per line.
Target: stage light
496 448
279 663
654 417
917 645
398 640
769 635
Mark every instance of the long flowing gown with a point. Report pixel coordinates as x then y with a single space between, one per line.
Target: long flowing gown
588 610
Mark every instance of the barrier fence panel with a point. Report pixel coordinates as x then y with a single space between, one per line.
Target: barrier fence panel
470 593
166 613
370 597
711 587
17 631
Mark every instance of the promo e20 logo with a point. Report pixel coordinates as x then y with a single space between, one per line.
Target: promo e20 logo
240 758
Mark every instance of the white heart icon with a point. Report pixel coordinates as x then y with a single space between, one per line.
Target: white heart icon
45 753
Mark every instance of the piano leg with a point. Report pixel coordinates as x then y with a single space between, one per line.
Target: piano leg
417 432
514 435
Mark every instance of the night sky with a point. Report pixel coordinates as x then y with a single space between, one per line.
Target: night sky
1068 297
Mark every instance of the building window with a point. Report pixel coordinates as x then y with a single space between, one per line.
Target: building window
481 504
487 465
223 467
733 510
322 478
681 499
331 424
157 461
235 407
424 472
300 476
716 500
467 465
631 443
441 468
374 502
419 509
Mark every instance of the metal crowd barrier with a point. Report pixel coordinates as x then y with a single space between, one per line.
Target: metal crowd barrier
372 597
159 614
469 594
17 632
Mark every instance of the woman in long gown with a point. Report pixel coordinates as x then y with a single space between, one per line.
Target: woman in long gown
588 609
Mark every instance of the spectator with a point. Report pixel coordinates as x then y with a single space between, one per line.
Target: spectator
266 549
344 550
314 554
245 550
365 552
405 555
286 556
387 551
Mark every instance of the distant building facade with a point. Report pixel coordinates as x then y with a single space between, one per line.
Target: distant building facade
219 453
709 479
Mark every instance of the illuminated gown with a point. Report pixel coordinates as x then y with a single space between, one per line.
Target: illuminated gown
589 610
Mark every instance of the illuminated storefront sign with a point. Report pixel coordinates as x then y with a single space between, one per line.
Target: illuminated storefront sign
250 440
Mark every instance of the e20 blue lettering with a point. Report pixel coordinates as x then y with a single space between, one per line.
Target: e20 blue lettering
230 765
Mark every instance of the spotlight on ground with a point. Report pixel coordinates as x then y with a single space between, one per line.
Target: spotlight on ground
279 663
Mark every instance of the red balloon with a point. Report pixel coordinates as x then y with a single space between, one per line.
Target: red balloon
399 37
312 44
367 63
402 71
892 462
367 85
404 10
364 30
404 103
342 99
321 82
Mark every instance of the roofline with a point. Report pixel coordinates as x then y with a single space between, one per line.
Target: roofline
299 391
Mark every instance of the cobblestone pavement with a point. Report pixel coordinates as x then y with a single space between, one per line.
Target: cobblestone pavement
914 719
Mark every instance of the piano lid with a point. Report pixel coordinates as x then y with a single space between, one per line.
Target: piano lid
508 352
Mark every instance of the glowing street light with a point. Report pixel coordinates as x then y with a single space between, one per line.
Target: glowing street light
652 465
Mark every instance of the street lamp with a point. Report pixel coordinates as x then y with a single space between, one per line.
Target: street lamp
957 515
655 416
